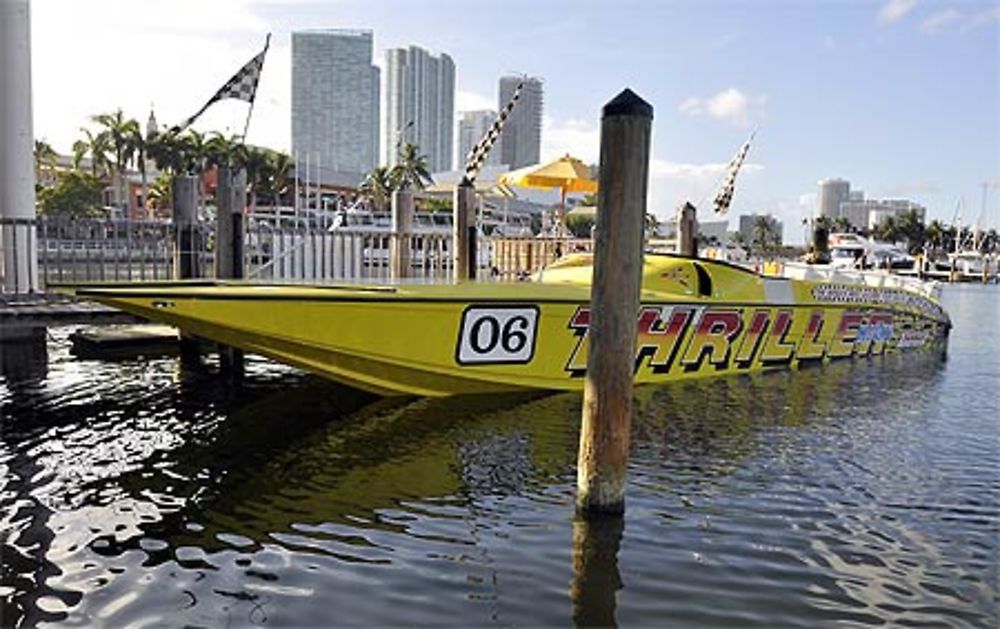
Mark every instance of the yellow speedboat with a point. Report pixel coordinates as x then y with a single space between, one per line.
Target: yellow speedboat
698 318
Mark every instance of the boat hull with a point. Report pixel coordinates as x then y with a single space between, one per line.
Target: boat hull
437 341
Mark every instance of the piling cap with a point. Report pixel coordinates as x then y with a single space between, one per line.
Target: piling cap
628 103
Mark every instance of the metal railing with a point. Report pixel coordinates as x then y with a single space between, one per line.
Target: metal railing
515 258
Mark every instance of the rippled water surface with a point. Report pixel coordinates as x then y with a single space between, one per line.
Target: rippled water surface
135 493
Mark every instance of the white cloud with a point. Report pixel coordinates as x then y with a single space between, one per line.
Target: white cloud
579 138
730 105
894 10
937 21
471 101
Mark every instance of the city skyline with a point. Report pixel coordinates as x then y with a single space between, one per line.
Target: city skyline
898 97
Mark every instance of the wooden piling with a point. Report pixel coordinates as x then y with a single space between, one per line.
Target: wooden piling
607 399
402 228
231 199
187 249
687 231
464 232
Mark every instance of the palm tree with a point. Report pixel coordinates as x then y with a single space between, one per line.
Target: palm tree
935 235
45 160
120 132
276 176
411 169
763 235
159 192
97 146
912 228
166 152
139 143
888 230
378 186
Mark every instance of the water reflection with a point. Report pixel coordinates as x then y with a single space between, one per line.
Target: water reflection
152 495
596 579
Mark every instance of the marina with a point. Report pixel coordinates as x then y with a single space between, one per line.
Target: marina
355 344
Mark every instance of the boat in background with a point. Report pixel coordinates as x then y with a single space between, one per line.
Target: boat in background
697 318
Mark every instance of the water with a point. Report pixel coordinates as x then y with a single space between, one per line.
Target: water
132 493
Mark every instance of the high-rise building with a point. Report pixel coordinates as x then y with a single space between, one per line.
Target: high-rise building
833 192
472 126
420 105
335 102
521 140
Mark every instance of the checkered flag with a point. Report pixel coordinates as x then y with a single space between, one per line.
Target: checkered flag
243 86
725 196
478 154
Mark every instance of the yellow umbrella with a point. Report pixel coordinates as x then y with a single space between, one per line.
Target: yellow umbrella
566 173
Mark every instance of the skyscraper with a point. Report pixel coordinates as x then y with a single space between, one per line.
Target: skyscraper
335 101
521 140
472 126
420 104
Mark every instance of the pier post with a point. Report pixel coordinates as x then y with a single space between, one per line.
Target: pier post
687 231
614 304
402 227
186 245
187 248
230 200
464 232
230 196
18 244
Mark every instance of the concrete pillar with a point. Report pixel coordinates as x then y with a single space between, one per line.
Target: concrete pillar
687 231
402 228
614 304
464 232
17 146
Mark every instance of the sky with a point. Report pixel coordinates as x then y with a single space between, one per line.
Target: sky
900 97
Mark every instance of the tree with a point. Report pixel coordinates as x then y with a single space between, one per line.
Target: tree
97 146
378 186
411 170
45 162
139 146
764 238
161 190
911 227
75 194
580 225
119 132
888 230
935 235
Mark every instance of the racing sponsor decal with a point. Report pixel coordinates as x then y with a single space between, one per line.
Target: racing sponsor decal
696 338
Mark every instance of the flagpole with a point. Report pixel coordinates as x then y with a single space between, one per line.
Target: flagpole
246 127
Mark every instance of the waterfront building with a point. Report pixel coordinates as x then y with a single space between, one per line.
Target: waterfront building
838 201
875 211
472 126
521 140
747 222
420 105
335 102
833 192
